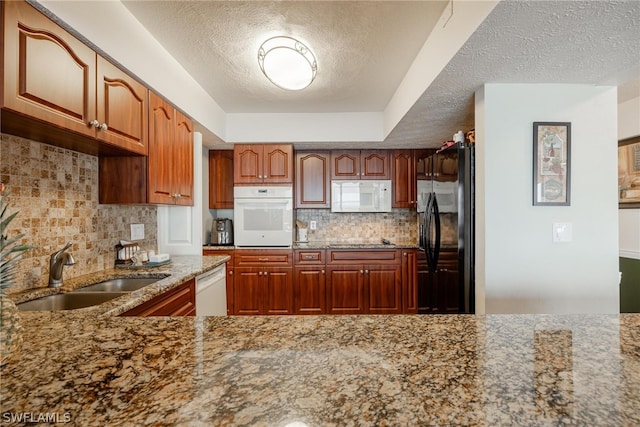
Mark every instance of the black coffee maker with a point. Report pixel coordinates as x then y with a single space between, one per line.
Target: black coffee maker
222 232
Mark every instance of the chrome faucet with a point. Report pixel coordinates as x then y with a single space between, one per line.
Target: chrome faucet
56 263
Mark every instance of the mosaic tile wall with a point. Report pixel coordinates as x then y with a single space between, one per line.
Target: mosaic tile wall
56 192
399 225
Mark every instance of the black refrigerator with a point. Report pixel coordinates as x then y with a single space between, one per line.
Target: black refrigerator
446 220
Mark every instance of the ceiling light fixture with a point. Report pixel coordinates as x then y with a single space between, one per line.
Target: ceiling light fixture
287 63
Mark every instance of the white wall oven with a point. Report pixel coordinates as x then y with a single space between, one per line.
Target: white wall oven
263 216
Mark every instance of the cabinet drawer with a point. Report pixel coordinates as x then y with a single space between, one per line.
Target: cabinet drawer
262 257
379 256
177 302
220 252
309 257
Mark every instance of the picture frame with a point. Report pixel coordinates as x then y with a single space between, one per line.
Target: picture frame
629 173
551 163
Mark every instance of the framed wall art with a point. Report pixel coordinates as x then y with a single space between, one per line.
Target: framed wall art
551 163
629 173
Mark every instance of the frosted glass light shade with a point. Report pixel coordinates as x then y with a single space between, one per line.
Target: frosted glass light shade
287 63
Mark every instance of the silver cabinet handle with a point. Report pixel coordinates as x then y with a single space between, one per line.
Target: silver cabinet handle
96 124
322 271
361 271
366 272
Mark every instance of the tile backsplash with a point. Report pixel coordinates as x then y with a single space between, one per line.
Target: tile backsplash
398 226
56 192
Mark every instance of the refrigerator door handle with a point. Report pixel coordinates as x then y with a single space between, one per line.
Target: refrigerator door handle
432 225
436 217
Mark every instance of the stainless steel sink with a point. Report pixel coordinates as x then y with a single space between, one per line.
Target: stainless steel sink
68 301
126 284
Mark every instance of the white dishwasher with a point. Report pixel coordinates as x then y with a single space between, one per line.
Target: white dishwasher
211 292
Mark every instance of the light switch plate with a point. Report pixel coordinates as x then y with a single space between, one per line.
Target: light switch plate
313 225
137 231
562 232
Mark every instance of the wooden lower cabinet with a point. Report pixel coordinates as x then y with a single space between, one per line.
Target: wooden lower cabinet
180 301
373 288
319 281
263 281
345 290
309 290
263 290
309 284
410 281
364 289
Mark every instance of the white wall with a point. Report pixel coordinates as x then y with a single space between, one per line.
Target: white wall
628 127
523 270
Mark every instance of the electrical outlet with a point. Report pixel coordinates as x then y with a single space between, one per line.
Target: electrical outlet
313 225
137 231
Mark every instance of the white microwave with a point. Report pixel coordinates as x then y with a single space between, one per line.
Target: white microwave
263 216
361 196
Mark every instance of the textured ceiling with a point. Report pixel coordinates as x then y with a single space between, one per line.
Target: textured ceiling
365 48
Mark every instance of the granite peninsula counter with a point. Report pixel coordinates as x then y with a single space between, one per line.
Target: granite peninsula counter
327 370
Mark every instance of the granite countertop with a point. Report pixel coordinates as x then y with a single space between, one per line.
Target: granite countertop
322 244
533 370
171 275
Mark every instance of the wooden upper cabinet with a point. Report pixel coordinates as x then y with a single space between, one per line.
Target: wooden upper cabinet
404 179
221 179
313 184
345 164
360 164
161 135
170 161
263 164
49 75
122 107
61 84
423 167
374 164
183 160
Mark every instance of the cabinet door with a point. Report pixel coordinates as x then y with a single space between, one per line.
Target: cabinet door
48 74
422 166
313 180
409 281
221 179
277 166
182 164
345 164
403 179
383 289
374 164
248 164
247 293
309 290
122 107
345 290
161 139
278 290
